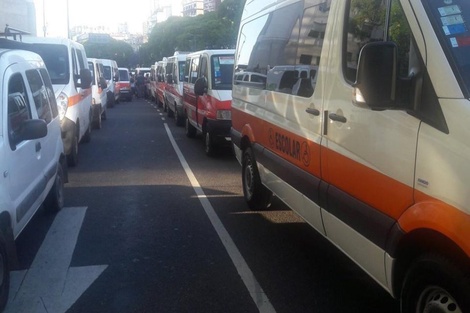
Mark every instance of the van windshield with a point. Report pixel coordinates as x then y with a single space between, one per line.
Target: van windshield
56 59
222 71
451 23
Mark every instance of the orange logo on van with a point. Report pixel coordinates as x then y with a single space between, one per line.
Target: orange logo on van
290 146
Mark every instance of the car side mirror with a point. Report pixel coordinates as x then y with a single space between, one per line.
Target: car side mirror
376 77
29 130
85 79
200 86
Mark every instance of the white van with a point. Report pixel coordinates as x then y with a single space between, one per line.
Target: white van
32 158
67 64
175 68
207 96
99 90
360 127
111 73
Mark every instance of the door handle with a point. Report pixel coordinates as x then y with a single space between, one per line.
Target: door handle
38 146
337 118
313 111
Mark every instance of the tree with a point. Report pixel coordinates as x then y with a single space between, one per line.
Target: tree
117 50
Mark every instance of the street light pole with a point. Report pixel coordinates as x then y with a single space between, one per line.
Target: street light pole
44 29
68 21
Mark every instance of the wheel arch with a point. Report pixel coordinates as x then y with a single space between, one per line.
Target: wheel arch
424 241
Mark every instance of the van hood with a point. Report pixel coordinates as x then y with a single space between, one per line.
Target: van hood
221 95
58 89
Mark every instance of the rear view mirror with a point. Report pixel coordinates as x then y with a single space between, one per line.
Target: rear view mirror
375 85
200 86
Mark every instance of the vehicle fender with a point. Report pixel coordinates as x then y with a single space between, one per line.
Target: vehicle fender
247 132
440 217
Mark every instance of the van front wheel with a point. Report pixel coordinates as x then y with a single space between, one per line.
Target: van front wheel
4 273
434 284
256 195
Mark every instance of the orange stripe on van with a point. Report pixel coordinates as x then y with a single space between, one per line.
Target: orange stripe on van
75 99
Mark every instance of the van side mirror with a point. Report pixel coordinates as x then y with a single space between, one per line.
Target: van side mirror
200 86
85 78
29 130
376 77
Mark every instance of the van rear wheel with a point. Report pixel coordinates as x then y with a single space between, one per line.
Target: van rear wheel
256 195
4 273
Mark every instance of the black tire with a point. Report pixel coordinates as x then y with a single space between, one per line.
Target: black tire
110 97
72 157
209 146
97 124
104 115
4 273
190 129
434 284
179 120
170 113
256 195
87 137
55 199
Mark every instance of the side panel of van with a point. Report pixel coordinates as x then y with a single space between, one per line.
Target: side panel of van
351 113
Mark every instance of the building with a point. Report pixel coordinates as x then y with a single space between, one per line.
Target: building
211 5
18 14
193 7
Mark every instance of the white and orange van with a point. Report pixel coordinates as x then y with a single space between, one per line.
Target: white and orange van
207 96
357 120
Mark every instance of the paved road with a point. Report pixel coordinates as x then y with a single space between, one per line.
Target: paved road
170 229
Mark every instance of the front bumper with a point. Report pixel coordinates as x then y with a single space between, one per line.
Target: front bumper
219 130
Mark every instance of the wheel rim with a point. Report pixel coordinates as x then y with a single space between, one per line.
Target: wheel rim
248 179
434 299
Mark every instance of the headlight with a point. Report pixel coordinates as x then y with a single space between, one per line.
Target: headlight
62 104
224 114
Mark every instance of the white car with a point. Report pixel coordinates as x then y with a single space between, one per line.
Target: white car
32 159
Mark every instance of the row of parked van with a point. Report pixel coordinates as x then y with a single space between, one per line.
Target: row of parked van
354 113
52 96
195 88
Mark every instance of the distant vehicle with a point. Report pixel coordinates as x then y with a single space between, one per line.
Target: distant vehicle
67 64
111 74
125 84
99 89
161 84
207 96
175 69
32 159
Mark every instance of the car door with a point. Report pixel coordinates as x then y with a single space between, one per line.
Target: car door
368 157
24 167
41 92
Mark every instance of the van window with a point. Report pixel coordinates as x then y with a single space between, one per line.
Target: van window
50 92
222 71
281 51
91 67
18 107
56 59
80 57
107 72
40 95
75 67
182 66
193 71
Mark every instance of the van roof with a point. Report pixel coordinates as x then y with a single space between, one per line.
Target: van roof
213 52
9 56
51 40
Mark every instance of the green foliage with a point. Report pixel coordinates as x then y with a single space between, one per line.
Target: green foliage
117 50
214 30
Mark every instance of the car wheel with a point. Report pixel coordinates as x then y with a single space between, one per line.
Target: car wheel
179 120
104 117
435 284
256 195
72 157
97 124
87 137
209 145
190 129
170 113
110 96
55 198
4 273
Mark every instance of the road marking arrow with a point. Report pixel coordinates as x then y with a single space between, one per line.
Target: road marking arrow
51 285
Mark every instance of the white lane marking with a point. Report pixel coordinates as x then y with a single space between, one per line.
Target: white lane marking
51 285
257 294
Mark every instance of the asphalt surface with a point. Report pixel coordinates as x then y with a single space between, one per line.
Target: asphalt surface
144 221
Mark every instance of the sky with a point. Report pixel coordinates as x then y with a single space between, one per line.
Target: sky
107 13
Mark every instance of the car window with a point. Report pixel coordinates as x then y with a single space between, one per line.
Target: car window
50 91
40 96
18 107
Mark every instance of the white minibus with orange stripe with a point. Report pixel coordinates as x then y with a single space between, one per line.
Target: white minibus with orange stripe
358 121
207 96
67 64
